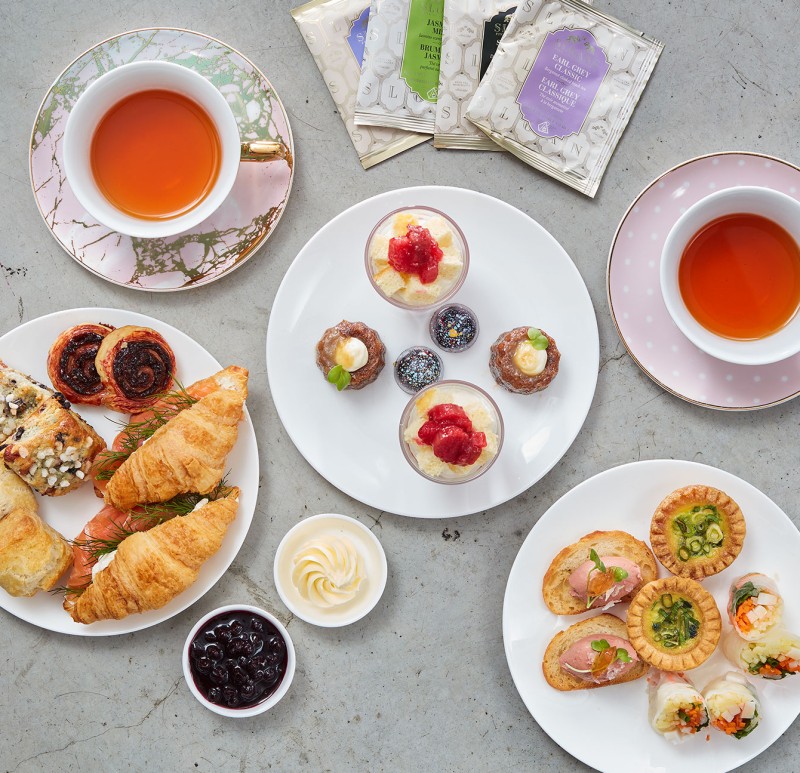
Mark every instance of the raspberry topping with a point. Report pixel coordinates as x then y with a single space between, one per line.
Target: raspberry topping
416 253
449 431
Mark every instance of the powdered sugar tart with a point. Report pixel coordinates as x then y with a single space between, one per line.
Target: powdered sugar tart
26 347
625 497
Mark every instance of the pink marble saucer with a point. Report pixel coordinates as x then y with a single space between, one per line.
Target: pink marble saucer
220 243
634 295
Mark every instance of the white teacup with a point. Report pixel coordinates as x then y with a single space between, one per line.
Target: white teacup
116 85
768 203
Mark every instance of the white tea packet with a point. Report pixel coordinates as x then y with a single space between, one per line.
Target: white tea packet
561 88
335 32
470 34
400 75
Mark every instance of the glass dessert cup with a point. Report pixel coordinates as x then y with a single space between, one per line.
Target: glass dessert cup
454 327
481 409
416 368
404 290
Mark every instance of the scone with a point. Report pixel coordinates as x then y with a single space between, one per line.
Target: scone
697 531
674 623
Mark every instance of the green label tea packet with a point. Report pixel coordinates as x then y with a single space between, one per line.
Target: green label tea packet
562 87
400 73
335 32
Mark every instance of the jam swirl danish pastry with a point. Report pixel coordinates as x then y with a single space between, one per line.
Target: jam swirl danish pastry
71 363
136 366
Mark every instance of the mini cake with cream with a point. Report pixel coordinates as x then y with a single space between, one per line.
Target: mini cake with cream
416 257
524 360
350 355
451 432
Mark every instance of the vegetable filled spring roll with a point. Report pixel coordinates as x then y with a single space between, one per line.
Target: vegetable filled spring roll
755 606
733 706
774 656
677 708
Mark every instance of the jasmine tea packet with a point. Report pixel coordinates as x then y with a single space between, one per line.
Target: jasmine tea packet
400 75
562 87
335 33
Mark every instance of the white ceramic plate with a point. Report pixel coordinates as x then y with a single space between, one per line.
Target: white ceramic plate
25 348
608 728
518 275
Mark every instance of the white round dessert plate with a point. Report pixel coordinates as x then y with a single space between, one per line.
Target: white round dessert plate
653 340
608 728
25 349
373 563
518 275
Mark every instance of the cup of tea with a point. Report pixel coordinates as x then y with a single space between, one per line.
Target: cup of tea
730 275
151 149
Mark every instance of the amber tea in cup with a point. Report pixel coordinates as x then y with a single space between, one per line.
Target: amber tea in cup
155 154
739 276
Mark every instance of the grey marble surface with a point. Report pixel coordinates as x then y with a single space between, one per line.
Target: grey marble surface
422 682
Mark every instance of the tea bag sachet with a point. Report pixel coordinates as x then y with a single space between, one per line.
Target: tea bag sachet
400 75
561 88
335 32
470 34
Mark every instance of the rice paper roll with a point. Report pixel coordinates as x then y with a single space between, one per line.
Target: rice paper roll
677 707
733 705
775 656
754 606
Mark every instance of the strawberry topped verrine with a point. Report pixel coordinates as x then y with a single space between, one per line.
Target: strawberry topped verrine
416 257
451 432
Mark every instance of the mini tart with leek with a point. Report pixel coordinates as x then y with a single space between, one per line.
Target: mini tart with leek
697 531
674 624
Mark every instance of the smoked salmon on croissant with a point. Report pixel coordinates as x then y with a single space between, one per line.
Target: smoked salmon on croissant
187 454
151 567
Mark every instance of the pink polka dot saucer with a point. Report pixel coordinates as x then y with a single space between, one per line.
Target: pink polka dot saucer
653 340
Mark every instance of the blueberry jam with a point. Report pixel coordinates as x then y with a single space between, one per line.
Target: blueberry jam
417 368
238 659
454 328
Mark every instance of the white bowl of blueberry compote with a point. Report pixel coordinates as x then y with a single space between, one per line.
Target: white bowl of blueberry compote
238 660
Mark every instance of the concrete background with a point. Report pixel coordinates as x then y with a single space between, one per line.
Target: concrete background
421 683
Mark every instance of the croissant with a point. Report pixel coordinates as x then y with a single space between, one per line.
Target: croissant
33 555
151 567
186 455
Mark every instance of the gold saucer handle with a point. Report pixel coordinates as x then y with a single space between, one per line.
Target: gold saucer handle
266 150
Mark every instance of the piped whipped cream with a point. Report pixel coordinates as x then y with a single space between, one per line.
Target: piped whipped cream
351 354
328 571
528 360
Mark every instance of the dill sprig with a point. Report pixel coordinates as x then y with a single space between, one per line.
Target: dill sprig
145 517
72 591
137 432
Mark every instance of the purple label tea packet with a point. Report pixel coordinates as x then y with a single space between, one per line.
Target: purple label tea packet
561 88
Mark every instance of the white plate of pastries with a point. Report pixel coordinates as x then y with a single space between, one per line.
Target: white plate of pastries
201 451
